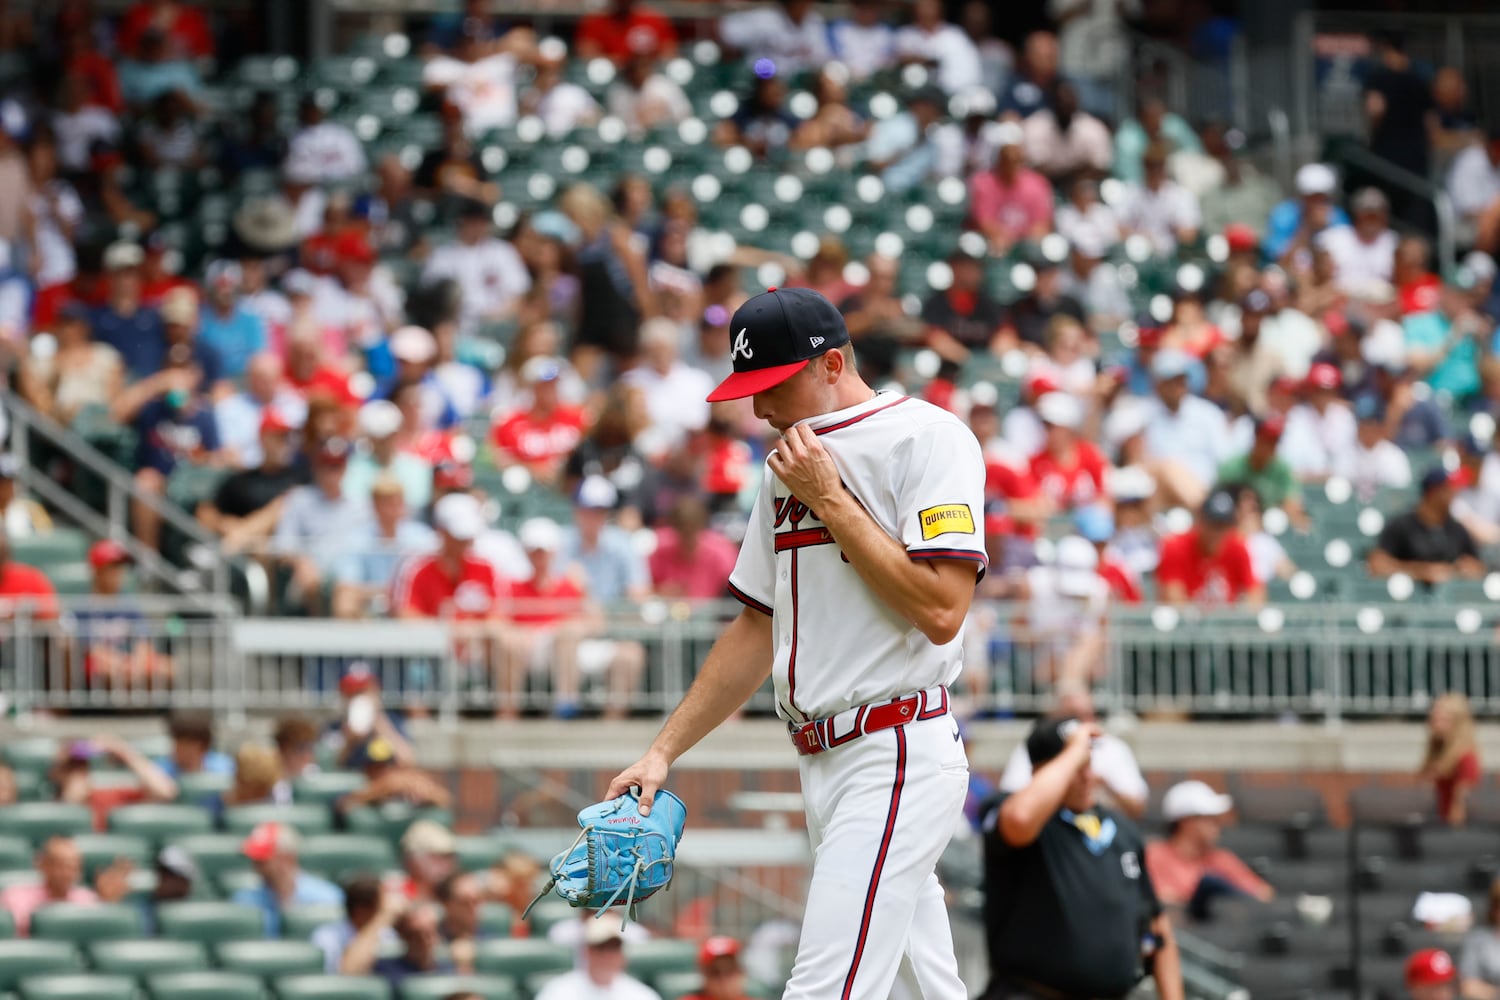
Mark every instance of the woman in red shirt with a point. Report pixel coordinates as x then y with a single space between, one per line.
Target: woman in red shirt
1452 762
1069 469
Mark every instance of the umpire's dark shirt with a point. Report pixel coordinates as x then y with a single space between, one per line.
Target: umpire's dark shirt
1064 915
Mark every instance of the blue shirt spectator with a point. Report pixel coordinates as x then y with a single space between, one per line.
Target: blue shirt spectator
173 430
1316 186
143 82
1453 357
235 338
272 848
139 336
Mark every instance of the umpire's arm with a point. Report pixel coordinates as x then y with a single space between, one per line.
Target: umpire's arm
1167 969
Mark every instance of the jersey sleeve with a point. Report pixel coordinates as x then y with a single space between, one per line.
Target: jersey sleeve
939 485
753 580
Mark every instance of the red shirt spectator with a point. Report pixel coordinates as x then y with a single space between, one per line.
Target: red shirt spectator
1068 469
690 560
1207 565
20 583
629 29
187 31
1123 584
549 602
534 438
90 289
101 82
1465 772
1008 478
452 582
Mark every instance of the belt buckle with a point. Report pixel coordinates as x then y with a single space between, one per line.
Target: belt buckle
806 739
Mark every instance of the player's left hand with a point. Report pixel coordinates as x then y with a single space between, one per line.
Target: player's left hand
805 466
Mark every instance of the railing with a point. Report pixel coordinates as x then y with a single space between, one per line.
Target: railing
1323 660
1390 175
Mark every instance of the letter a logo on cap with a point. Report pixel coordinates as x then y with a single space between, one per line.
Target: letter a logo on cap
741 346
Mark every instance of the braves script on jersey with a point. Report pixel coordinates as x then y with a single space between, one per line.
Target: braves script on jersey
882 806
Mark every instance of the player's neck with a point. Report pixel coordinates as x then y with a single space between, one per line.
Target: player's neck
854 393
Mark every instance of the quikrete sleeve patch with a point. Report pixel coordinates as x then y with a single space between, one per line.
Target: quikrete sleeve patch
948 518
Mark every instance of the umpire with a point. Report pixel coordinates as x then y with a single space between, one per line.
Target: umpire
1070 913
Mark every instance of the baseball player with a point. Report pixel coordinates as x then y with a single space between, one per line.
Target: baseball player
860 561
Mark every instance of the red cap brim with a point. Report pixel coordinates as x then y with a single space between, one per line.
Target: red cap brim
742 384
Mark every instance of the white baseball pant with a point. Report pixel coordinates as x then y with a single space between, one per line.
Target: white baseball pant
880 811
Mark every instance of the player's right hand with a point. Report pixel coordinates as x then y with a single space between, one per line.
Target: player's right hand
1084 735
648 774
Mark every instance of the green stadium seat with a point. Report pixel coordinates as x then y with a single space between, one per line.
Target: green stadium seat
676 985
18 876
391 821
159 822
477 853
440 987
15 852
210 922
339 855
147 956
21 957
203 985
326 787
549 913
308 817
521 957
332 988
269 959
203 785
36 821
646 960
85 922
495 919
215 853
78 986
298 922
100 850
7 925
229 883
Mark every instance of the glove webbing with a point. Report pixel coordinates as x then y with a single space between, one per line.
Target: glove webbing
593 862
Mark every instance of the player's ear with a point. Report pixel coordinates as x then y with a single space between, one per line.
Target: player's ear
835 361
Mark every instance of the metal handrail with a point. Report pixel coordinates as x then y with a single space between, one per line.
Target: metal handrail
26 419
1400 177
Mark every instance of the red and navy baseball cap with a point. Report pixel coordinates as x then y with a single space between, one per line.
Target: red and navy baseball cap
773 337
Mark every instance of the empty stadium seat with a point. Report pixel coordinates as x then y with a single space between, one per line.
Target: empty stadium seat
440 987
77 986
548 913
100 850
478 853
391 821
1390 805
210 922
324 987
15 852
521 957
200 985
21 958
298 922
269 959
36 821
85 922
339 855
495 919
36 755
147 956
646 960
326 787
309 817
159 822
202 785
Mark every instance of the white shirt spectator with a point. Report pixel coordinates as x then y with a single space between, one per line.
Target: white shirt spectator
1086 144
239 416
1266 555
1022 429
1312 439
1360 266
1384 466
1160 213
270 305
463 385
1113 761
1197 436
1295 337
658 100
77 131
957 60
55 210
864 49
675 402
566 107
1096 226
1091 34
1482 500
503 551
1473 182
767 33
490 274
333 940
484 91
328 152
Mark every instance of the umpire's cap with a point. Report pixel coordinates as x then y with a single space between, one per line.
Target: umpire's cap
1048 739
774 336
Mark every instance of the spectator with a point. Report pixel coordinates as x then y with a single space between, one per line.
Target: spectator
1035 84
628 28
247 505
118 648
380 422
319 527
1063 626
60 866
272 848
364 722
192 736
561 105
20 516
644 98
1094 43
1096 286
1364 254
79 373
1398 107
183 27
1430 975
963 319
1427 543
1297 221
256 143
762 123
877 320
1455 126
1267 473
257 773
602 974
1210 562
72 776
723 974
674 391
1375 462
124 322
791 36
541 436
1474 186
1231 191
488 270
296 740
863 41
177 877
1479 958
429 856
417 930
834 124
1068 468
556 634
1320 428
930 41
1122 786
479 77
541 339
1047 317
153 72
613 284
905 149
1189 868
1445 344
366 576
1159 208
1182 427
167 136
609 452
362 901
1012 202
325 152
1254 361
1451 761
226 327
1152 126
460 896
56 215
613 568
690 559
1066 142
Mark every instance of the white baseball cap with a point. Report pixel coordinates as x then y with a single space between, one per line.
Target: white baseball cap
541 369
459 516
1077 563
541 534
379 418
597 493
414 345
1187 799
1060 410
1316 178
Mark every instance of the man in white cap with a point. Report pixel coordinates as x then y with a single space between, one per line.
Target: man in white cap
1303 217
614 569
674 391
555 628
1189 868
414 350
1364 254
1069 468
380 421
541 436
603 974
1185 428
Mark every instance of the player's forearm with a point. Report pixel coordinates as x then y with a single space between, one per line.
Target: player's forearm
910 587
1167 969
738 664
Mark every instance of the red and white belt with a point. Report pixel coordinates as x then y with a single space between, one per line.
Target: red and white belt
849 725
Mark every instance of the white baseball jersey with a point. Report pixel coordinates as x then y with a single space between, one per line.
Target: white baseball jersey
918 470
